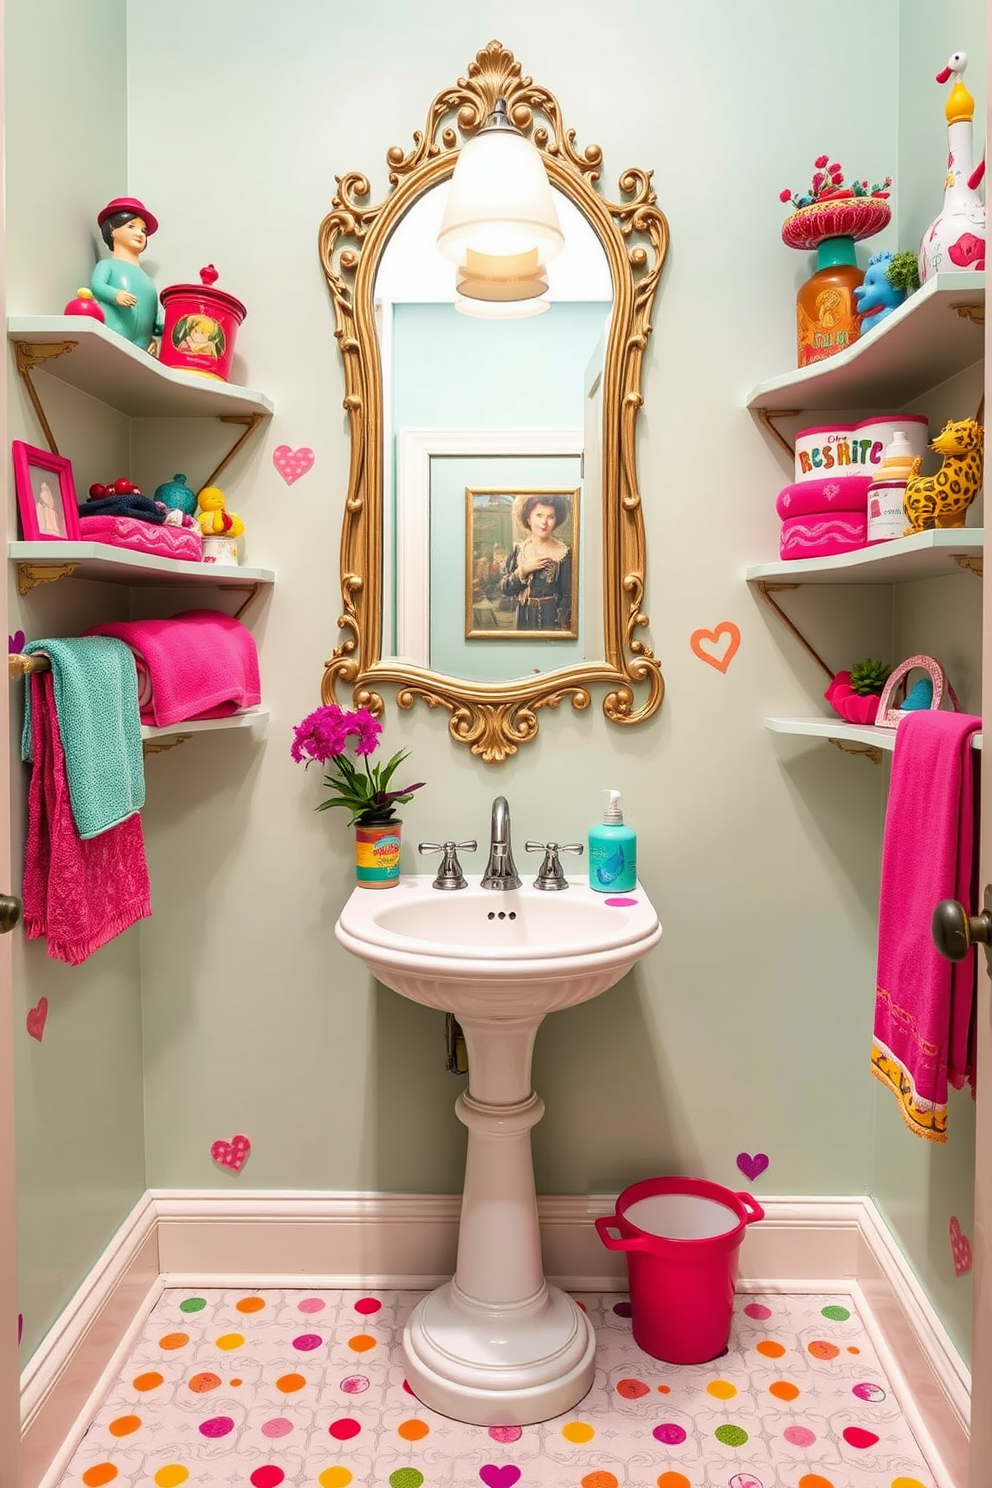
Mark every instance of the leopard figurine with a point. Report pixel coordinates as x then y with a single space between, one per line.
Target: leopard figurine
941 500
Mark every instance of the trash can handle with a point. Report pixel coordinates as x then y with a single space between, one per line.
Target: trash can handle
607 1222
754 1209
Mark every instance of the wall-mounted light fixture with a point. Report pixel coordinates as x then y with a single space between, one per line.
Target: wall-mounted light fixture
512 283
500 225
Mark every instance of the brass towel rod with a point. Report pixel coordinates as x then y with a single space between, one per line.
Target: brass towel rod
19 665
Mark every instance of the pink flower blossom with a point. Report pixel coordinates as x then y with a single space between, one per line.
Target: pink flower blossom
368 730
821 161
785 195
322 737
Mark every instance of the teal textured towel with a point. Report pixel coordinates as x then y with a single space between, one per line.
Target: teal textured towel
96 702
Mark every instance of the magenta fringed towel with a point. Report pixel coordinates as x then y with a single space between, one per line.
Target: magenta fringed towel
923 1035
78 893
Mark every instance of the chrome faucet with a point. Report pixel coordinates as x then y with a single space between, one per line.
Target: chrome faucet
500 871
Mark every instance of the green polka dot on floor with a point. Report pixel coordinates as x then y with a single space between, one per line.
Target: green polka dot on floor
835 1314
731 1436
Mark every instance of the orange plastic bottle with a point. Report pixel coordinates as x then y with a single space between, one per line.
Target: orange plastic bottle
826 318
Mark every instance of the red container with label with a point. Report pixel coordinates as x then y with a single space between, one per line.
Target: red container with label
201 324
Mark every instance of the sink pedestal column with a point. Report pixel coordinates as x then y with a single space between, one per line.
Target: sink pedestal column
498 1346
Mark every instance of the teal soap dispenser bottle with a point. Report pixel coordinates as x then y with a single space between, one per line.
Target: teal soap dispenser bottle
612 852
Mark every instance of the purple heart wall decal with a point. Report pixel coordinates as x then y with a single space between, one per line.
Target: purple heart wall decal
752 1167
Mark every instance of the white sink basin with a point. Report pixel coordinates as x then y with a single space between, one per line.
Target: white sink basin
496 1345
497 952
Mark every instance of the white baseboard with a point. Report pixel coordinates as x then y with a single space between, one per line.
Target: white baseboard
175 1237
72 1366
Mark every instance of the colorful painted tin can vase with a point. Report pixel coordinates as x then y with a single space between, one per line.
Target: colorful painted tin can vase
201 324
377 855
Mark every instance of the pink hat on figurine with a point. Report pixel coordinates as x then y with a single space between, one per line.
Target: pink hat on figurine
132 205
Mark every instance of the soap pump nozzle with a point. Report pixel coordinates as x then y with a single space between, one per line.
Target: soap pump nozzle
612 815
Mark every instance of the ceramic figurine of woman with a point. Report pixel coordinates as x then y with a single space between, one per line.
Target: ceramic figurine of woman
128 296
956 237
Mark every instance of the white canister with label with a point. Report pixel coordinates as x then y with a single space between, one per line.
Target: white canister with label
220 550
886 518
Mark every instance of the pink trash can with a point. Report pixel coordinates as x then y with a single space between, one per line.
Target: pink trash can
681 1237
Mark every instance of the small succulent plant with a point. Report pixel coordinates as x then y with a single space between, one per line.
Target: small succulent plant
868 677
903 271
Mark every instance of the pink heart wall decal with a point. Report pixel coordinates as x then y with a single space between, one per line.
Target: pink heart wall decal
752 1167
36 1019
960 1248
232 1154
292 463
499 1477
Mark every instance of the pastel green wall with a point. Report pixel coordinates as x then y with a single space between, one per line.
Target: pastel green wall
917 1185
80 1120
748 1028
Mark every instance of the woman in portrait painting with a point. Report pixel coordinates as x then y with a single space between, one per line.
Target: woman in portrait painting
538 572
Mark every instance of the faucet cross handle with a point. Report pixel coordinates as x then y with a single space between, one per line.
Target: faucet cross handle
449 875
551 875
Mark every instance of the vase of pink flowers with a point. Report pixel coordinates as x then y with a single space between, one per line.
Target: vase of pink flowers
344 742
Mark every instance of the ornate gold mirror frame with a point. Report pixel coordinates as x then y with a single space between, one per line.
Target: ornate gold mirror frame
495 718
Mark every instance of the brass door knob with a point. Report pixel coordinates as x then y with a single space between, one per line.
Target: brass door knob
10 912
955 931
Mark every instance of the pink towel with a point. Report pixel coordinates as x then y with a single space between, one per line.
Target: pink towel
923 1035
77 893
199 664
145 537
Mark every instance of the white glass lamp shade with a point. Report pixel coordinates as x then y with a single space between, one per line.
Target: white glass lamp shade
516 276
500 309
500 200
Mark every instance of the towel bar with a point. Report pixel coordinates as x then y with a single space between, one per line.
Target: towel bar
19 665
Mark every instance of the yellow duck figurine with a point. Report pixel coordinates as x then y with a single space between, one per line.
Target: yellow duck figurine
213 518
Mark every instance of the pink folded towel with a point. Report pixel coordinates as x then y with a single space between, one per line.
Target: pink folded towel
199 664
144 537
923 1036
78 893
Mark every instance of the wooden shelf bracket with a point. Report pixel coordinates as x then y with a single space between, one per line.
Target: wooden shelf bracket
251 422
31 354
766 418
766 589
867 751
30 575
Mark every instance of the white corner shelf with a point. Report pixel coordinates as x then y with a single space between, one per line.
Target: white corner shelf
924 555
836 728
918 346
112 565
248 719
116 372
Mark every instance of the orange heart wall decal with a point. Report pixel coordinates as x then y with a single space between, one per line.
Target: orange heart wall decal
717 647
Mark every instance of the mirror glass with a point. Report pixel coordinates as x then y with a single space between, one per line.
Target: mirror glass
493 561
482 413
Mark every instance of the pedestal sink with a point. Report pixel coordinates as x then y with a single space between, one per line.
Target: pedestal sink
498 1346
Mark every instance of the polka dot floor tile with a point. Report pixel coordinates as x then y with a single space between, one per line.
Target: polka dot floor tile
260 1389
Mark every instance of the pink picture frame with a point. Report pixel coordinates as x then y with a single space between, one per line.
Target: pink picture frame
46 494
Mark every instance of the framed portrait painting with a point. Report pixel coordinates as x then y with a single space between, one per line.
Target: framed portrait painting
521 563
46 494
